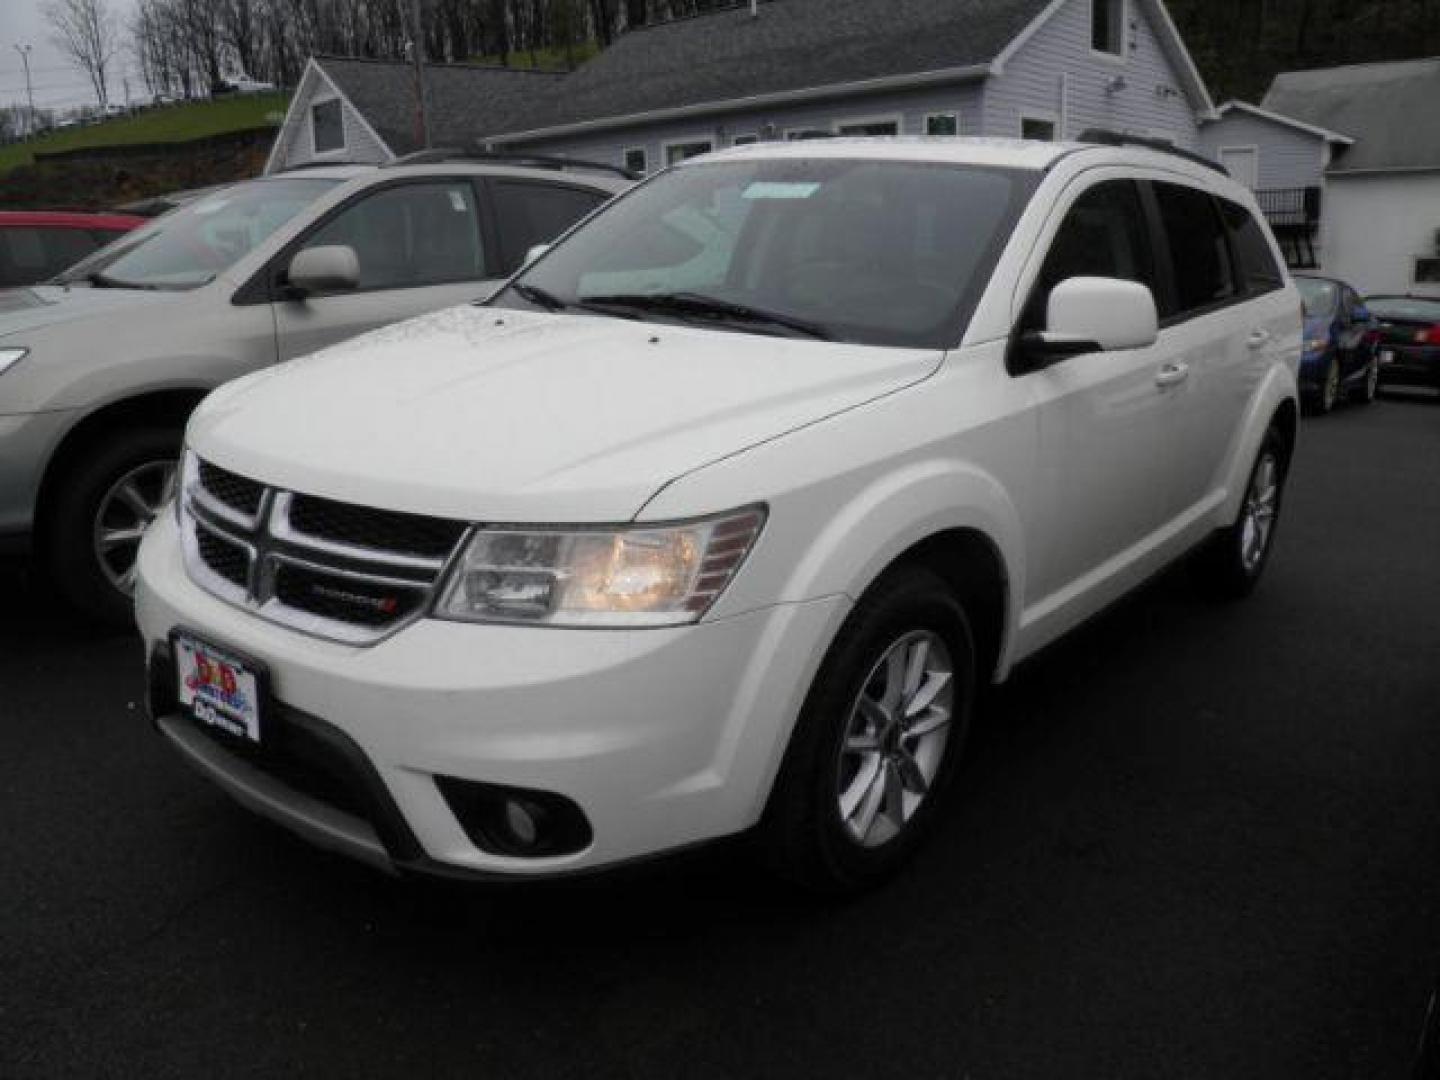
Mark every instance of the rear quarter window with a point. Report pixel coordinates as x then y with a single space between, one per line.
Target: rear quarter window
1259 270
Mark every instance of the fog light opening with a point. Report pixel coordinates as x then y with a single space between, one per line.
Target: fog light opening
521 820
519 823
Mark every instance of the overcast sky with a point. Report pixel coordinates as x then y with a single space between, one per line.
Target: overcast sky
58 83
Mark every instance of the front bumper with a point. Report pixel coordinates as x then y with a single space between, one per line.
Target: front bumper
27 442
662 737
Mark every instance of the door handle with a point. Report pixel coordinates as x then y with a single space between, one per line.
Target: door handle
1258 339
1172 375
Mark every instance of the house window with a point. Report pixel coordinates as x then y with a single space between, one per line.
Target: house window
1107 26
942 124
637 161
745 140
1034 127
327 126
678 152
1427 271
878 127
797 134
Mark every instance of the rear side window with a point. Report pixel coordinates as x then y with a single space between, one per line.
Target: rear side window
1103 235
1258 268
531 214
1199 251
33 254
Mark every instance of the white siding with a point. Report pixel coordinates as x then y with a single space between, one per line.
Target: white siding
1375 227
912 107
1055 73
295 143
1289 158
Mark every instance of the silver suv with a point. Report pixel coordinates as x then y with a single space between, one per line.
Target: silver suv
100 368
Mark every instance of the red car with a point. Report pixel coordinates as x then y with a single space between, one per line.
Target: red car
35 245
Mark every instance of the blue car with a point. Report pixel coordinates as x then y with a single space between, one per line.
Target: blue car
1340 358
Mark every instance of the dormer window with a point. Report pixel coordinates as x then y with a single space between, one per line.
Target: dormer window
1107 26
327 126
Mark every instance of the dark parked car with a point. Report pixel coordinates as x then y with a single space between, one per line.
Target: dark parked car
1408 340
1339 355
35 245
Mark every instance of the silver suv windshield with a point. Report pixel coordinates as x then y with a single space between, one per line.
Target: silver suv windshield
866 251
190 246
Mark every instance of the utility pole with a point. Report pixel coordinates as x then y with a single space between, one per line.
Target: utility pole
24 51
417 54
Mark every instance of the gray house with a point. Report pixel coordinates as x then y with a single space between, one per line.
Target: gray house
785 69
789 69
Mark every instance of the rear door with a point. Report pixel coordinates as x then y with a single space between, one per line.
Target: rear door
421 247
531 212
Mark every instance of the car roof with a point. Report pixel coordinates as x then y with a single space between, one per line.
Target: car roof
1027 154
68 219
578 175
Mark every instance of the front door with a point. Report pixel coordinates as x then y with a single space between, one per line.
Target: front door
420 247
1105 419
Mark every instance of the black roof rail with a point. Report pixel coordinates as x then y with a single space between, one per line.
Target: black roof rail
443 155
1106 137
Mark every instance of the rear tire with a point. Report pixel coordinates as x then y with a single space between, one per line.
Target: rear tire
103 503
1237 555
1328 395
878 739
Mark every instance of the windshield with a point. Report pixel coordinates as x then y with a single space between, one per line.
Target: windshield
1318 297
190 246
1404 307
864 251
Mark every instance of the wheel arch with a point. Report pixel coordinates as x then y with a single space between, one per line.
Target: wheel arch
168 407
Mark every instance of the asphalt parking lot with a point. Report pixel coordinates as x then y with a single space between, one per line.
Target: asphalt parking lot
1194 841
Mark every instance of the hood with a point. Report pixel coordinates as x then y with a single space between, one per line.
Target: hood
26 310
494 415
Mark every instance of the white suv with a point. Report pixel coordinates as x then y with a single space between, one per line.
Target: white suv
718 515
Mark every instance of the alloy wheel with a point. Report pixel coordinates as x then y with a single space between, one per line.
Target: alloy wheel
895 738
1331 391
124 513
1258 519
1372 380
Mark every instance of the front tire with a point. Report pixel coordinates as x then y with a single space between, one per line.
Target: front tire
878 739
1239 553
1365 391
103 504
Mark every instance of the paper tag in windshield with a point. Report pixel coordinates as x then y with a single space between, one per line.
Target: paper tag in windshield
774 189
457 202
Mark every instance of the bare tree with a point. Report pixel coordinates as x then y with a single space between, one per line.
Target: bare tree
85 31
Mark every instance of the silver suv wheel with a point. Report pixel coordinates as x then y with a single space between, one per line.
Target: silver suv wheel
124 513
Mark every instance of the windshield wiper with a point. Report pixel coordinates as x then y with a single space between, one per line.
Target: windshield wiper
541 297
707 308
98 280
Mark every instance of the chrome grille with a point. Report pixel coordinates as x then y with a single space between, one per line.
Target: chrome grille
335 570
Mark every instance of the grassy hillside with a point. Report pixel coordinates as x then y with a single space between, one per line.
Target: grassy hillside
172 123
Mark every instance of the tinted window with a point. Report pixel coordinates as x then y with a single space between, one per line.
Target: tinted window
414 234
1199 254
531 214
1257 262
1103 235
1396 307
29 255
329 126
876 252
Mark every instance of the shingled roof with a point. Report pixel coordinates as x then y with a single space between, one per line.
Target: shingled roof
1389 109
466 101
791 45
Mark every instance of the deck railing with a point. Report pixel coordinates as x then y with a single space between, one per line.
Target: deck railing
1294 216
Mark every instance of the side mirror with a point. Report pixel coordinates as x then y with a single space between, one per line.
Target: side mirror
535 252
334 268
1092 314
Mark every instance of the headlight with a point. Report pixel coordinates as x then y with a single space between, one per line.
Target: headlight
10 357
644 575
